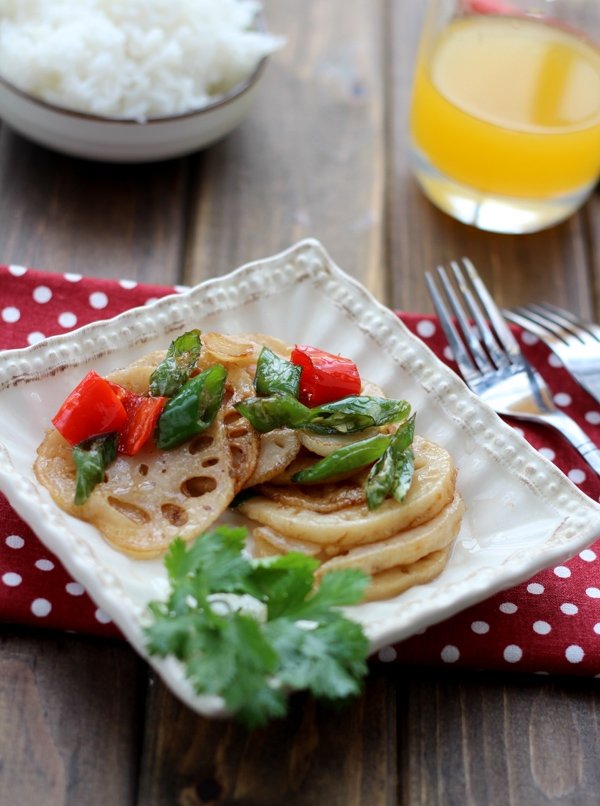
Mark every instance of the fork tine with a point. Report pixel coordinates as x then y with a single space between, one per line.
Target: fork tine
461 355
521 316
496 351
501 328
560 321
471 334
545 328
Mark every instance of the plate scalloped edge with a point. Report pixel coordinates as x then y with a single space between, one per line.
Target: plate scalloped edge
577 517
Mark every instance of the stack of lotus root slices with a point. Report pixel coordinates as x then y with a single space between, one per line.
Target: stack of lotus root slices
398 544
146 500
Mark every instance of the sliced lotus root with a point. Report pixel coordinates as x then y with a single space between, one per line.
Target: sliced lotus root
324 444
244 441
267 543
432 489
278 448
136 377
395 581
404 548
237 350
318 497
149 499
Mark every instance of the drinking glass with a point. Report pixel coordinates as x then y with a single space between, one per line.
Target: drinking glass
505 118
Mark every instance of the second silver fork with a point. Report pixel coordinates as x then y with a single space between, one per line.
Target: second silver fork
575 341
489 357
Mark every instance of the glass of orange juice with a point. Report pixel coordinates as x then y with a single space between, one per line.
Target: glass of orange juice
505 118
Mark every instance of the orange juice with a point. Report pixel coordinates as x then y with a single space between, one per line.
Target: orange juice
509 106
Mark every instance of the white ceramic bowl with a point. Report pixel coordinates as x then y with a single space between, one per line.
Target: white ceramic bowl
122 140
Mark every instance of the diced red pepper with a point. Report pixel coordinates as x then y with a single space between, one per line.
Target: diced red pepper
91 409
325 377
142 415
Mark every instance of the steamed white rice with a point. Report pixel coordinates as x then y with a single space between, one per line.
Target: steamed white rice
135 59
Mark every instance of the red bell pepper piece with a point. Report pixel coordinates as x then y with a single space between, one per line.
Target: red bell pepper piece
91 409
142 415
325 377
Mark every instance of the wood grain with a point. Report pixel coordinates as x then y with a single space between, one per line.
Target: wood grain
478 738
101 220
324 153
69 711
343 756
309 159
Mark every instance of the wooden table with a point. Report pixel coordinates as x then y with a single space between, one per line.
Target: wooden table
324 153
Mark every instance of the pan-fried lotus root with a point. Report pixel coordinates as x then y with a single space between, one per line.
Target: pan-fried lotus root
244 441
238 350
318 498
399 544
397 580
277 450
411 557
403 548
149 499
431 490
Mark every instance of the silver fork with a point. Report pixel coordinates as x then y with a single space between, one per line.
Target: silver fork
489 357
575 341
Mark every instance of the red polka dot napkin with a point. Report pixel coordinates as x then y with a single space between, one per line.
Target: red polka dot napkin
550 624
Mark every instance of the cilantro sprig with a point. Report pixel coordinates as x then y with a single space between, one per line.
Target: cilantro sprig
297 639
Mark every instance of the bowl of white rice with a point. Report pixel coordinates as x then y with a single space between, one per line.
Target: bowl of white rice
129 80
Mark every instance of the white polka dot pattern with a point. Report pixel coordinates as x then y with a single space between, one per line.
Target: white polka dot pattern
10 314
541 627
450 654
550 623
67 319
44 565
98 300
387 654
41 607
33 305
11 579
512 653
562 399
480 627
574 653
42 294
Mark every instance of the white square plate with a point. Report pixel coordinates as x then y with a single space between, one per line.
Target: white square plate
522 514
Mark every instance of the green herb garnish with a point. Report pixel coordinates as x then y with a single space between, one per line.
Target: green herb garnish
299 639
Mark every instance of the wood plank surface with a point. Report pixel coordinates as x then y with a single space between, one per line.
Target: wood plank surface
69 720
309 161
323 153
508 740
101 220
344 756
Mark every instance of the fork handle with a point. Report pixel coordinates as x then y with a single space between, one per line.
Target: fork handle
577 437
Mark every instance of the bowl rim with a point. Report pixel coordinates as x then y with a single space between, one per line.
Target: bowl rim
239 89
